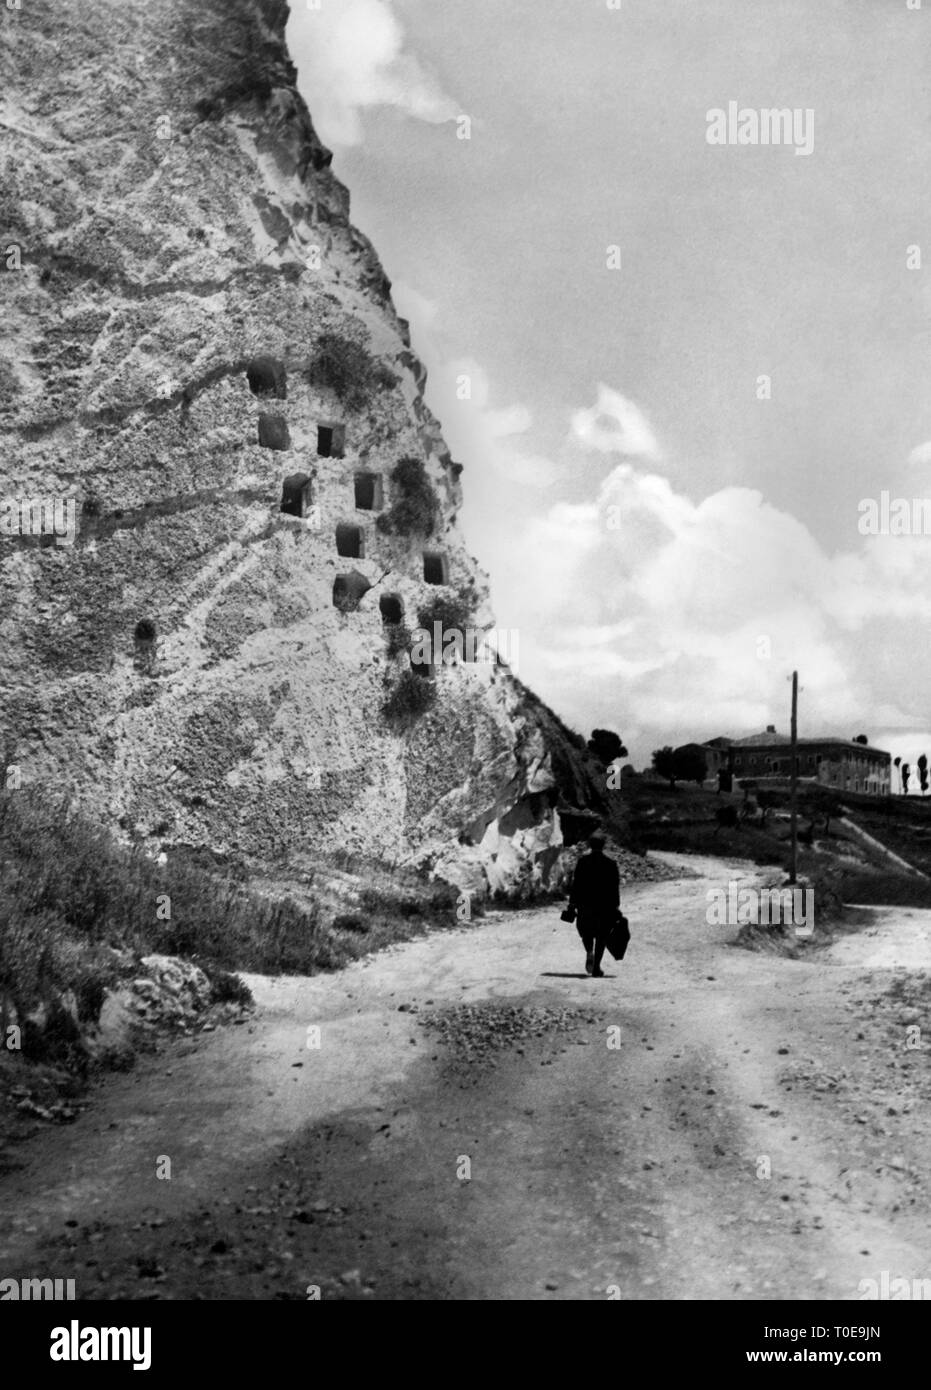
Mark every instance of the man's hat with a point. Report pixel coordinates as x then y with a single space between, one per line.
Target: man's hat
598 838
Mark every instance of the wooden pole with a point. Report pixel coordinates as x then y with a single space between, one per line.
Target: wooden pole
793 795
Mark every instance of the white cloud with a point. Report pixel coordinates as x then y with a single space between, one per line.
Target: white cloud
351 55
489 439
615 425
655 614
921 454
646 611
421 313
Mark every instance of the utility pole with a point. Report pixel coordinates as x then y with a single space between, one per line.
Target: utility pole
793 794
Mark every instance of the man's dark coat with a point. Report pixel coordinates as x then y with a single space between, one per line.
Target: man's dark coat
596 894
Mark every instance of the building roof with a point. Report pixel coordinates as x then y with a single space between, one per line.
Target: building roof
774 740
848 743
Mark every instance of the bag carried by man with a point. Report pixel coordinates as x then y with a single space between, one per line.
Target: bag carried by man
619 938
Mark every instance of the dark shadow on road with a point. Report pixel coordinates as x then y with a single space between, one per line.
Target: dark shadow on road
566 975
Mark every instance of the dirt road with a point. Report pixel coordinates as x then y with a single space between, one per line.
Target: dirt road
482 1120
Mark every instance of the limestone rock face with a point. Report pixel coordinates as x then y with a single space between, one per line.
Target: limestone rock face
199 351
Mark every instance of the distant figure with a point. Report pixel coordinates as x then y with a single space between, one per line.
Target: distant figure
596 895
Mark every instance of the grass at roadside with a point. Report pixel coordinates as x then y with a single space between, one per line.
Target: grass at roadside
77 910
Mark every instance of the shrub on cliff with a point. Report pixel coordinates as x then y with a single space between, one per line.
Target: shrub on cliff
348 368
397 638
415 507
408 700
452 611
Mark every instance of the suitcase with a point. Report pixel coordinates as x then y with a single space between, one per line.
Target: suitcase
619 939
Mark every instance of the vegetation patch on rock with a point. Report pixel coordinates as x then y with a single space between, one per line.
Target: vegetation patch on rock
415 507
409 698
346 366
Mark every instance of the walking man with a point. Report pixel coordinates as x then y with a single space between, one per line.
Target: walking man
596 895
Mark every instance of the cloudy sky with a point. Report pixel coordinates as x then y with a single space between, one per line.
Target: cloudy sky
665 459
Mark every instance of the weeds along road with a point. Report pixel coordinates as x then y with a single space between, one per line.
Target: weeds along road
482 1120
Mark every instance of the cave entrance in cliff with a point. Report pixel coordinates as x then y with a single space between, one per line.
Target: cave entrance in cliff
273 432
296 495
350 541
424 669
331 441
349 590
369 492
144 638
391 609
435 567
267 377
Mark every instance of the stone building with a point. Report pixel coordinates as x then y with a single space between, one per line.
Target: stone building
841 763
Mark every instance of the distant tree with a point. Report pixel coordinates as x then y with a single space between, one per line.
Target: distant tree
606 746
664 763
897 763
923 773
822 801
906 773
691 766
861 738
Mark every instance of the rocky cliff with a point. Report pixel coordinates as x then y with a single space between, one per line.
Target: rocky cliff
223 502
